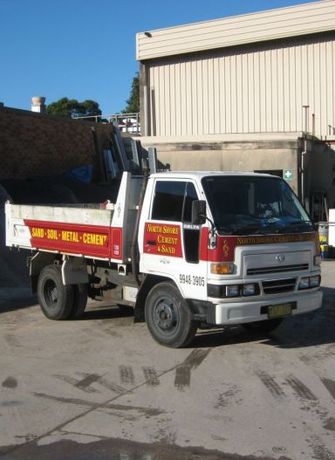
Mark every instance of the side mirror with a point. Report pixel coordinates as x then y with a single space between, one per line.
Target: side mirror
198 212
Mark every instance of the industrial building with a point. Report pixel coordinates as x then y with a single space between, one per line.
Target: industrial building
251 92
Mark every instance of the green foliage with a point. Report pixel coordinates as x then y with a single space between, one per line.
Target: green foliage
65 107
133 103
90 107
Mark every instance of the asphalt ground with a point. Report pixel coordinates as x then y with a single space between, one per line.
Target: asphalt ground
101 388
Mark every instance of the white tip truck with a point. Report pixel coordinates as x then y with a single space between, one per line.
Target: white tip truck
183 249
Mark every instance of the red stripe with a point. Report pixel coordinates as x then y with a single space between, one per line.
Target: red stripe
89 240
224 250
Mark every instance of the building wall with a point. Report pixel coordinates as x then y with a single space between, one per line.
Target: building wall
279 23
243 90
33 144
237 153
320 171
256 75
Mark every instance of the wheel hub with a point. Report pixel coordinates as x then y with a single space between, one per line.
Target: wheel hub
165 316
51 293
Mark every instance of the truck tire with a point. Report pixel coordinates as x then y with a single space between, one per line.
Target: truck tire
263 327
79 300
55 299
168 317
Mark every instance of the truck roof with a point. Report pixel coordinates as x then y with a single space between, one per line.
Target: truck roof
201 174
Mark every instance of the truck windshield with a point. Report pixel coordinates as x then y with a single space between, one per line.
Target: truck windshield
243 205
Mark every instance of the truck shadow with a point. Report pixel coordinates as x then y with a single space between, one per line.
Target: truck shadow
106 312
317 328
16 302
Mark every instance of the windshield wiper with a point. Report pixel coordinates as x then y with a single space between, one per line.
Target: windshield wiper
244 229
298 224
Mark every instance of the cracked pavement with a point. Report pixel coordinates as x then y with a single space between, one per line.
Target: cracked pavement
101 388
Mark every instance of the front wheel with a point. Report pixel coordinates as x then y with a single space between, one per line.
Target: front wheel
55 299
168 317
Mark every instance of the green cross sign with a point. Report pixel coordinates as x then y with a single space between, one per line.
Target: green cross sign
288 174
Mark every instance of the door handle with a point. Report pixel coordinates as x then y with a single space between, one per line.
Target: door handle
151 243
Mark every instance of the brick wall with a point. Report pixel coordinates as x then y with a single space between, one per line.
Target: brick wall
33 144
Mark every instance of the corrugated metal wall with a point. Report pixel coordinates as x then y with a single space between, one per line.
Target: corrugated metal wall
308 18
262 90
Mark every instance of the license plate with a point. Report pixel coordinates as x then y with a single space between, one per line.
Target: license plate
277 311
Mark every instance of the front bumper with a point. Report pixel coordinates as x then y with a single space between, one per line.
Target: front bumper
249 311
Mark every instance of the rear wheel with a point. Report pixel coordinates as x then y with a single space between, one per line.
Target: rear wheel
168 317
263 327
55 299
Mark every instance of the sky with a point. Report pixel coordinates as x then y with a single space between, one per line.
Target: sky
85 49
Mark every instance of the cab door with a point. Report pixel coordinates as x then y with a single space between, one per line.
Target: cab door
171 244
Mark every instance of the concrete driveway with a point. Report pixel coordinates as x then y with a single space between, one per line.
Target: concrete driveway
101 388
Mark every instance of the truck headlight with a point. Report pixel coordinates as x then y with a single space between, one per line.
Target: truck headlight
314 281
233 290
309 282
249 289
304 283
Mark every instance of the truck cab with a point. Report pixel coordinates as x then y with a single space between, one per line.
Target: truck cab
251 258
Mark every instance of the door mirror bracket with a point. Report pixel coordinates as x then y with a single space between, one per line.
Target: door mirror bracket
198 212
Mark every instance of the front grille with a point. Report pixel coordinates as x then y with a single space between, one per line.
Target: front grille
279 269
278 286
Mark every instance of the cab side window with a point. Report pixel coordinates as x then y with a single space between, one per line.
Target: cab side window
190 196
173 202
168 201
191 235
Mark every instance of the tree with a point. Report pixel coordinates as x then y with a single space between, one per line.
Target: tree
65 107
91 107
133 103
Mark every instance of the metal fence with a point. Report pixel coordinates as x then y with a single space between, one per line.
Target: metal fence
126 122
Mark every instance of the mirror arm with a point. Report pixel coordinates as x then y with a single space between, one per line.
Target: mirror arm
212 237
